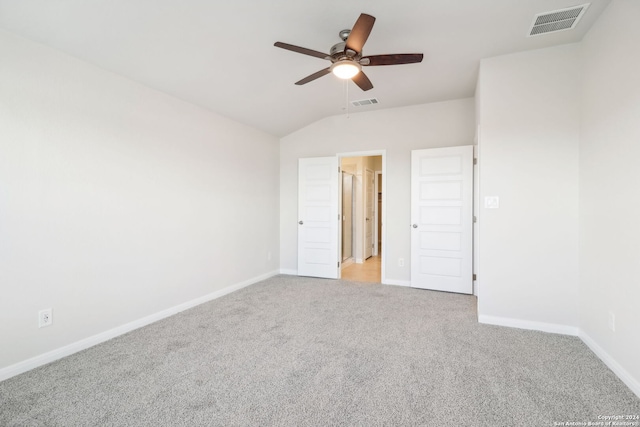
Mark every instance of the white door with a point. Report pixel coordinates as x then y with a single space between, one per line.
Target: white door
369 188
318 190
442 219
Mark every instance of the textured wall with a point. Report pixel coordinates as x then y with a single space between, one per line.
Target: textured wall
609 180
118 201
529 122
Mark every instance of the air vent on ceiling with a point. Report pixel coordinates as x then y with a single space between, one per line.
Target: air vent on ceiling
360 103
557 20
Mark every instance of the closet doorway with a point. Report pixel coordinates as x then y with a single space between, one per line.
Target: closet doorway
361 236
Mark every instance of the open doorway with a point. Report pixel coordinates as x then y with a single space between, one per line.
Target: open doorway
361 236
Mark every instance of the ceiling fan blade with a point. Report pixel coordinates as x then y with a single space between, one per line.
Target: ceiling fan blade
314 76
302 50
362 81
360 33
395 59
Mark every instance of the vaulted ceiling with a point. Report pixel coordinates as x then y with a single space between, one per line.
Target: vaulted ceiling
220 54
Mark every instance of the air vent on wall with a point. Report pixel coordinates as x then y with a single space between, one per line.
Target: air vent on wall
360 103
557 20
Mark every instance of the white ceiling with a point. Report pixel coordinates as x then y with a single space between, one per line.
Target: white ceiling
219 54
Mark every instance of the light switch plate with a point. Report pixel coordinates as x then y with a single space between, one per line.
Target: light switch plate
491 202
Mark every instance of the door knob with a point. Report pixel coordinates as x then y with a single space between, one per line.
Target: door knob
300 222
415 226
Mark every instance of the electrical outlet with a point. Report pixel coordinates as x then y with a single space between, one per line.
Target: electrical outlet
400 262
45 317
612 321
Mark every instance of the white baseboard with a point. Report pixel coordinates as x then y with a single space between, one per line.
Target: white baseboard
394 282
83 344
346 262
289 272
67 350
553 328
623 374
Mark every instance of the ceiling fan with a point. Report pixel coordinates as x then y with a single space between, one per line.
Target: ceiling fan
346 57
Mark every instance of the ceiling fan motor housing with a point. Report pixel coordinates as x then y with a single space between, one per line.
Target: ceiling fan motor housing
338 51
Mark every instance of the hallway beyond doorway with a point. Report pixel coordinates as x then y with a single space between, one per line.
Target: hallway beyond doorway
369 271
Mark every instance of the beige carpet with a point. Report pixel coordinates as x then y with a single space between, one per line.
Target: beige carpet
295 351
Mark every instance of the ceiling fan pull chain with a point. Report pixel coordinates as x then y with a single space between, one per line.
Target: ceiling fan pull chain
346 87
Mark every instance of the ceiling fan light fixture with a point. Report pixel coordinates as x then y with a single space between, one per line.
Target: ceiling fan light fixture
346 57
345 69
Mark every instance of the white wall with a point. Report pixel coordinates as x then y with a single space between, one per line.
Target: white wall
528 113
398 131
609 181
117 201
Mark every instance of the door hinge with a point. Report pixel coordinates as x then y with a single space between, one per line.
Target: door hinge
475 219
338 264
475 277
475 161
